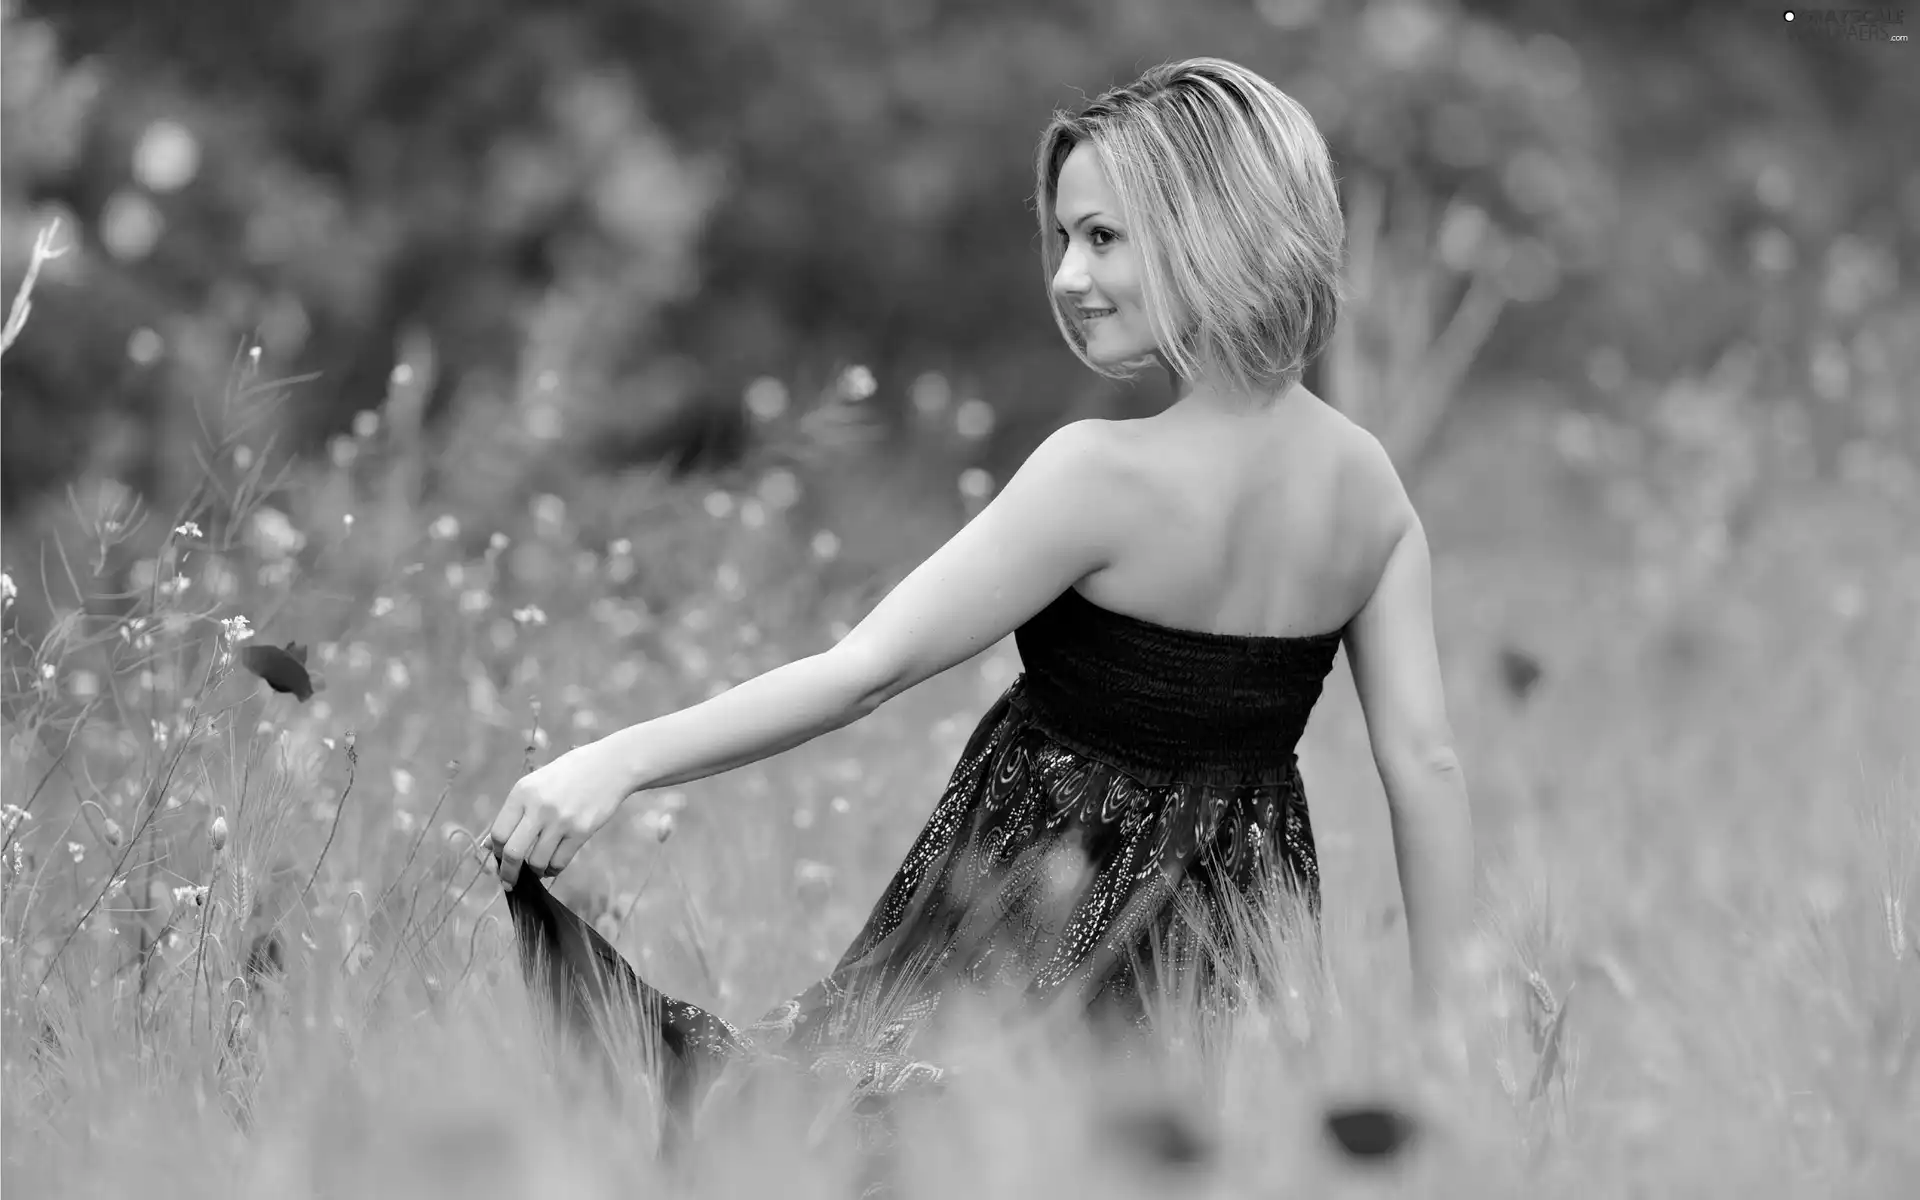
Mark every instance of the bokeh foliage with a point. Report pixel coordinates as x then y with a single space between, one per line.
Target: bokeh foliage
604 218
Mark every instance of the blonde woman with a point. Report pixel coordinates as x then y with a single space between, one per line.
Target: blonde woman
1178 587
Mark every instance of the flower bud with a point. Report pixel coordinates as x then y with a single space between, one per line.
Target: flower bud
217 834
662 826
114 833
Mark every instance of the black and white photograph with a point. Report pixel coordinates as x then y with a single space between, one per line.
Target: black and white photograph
951 599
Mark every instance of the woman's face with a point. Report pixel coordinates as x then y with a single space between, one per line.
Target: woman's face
1099 277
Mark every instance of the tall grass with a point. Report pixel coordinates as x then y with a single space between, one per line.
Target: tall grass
1699 970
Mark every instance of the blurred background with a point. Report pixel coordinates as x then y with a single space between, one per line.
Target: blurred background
602 221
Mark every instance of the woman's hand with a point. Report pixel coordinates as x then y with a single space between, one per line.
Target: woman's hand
551 812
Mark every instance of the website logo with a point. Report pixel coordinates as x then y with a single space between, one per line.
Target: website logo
1846 24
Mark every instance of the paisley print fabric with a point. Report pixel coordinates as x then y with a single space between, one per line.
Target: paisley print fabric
1131 774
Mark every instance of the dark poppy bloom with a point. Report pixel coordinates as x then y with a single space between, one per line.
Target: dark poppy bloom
284 669
1369 1131
1519 671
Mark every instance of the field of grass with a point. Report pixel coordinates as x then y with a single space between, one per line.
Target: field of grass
1699 834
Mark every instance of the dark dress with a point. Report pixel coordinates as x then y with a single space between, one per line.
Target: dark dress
1132 773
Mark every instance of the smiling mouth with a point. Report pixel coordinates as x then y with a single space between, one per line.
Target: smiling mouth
1094 314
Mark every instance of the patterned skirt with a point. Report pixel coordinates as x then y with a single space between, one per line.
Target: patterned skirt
1047 872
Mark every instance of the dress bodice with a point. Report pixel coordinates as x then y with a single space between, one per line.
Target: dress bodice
1166 704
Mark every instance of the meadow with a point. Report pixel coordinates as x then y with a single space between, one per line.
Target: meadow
250 950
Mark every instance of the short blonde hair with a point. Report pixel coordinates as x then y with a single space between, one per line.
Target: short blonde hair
1227 188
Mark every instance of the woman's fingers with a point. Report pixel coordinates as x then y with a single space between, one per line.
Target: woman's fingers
506 822
542 853
519 844
563 854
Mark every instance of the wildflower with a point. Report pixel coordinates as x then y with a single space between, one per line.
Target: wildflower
188 529
530 615
236 629
858 382
274 534
78 851
7 590
285 670
812 879
190 894
217 833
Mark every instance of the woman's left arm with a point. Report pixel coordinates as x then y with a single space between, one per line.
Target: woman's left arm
1055 522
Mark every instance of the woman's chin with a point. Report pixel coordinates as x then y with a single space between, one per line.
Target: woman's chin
1123 357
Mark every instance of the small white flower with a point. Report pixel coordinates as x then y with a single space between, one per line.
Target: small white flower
188 529
858 382
274 534
189 894
237 629
7 590
812 878
530 615
403 781
78 851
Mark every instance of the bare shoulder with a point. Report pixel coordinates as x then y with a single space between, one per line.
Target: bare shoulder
1097 454
1369 486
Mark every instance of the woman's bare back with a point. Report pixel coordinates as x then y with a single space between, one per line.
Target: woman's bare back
1272 524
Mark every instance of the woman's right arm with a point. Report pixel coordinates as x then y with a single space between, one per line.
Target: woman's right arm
1396 671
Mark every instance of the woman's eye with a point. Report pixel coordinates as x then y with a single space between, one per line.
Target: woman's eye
1095 234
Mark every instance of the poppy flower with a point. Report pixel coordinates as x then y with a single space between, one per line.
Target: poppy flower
1519 671
284 669
1369 1131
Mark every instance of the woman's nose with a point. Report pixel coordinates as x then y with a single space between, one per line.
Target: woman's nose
1069 282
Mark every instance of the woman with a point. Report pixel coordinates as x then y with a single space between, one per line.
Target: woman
1178 587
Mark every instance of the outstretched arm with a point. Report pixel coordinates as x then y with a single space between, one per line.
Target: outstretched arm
1053 523
1396 670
